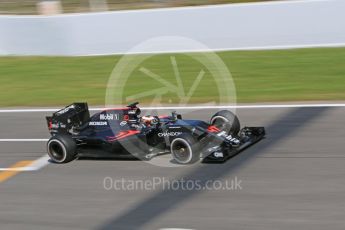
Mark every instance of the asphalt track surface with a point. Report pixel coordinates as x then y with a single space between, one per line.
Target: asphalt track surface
293 179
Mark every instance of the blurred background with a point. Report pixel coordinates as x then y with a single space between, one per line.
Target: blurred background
77 6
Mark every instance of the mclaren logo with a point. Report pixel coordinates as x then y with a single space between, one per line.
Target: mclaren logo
169 134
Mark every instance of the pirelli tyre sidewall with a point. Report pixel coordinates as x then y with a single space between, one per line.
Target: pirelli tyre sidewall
61 149
227 121
185 149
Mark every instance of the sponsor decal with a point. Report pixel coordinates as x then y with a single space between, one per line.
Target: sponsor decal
57 125
218 154
108 117
123 123
132 112
169 134
229 138
234 141
222 134
98 123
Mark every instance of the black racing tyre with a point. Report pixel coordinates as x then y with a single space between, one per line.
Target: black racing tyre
185 149
61 149
226 121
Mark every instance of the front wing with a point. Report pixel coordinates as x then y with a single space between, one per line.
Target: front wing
223 153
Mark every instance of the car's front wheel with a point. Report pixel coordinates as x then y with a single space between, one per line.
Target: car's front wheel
61 149
226 121
185 149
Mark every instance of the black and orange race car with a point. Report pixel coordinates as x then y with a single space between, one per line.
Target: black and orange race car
123 133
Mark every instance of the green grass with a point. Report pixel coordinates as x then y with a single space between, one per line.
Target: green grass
260 76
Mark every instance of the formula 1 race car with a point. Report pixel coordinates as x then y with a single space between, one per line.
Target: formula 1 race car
119 133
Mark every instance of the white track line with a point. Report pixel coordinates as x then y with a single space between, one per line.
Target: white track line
268 106
224 49
23 140
34 166
175 229
248 106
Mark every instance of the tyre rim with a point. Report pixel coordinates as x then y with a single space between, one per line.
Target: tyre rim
56 151
221 123
181 152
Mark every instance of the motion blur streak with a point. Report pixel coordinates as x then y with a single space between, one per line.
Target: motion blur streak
8 174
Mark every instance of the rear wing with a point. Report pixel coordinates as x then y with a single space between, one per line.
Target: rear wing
68 118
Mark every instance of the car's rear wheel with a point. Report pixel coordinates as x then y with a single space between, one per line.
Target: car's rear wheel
226 121
61 149
185 149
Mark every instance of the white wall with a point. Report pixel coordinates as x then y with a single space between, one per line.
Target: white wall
236 26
